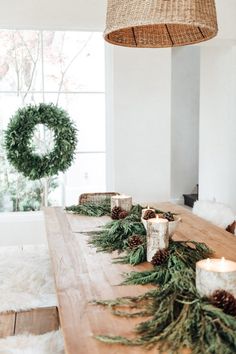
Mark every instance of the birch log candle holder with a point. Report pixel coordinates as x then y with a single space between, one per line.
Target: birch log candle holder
122 201
172 225
215 274
157 236
144 221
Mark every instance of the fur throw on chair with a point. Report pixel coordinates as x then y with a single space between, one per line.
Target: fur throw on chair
217 213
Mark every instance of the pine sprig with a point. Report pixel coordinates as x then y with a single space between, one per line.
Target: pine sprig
92 209
133 256
115 233
179 318
183 256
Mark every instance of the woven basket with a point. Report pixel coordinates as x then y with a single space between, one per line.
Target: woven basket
160 23
95 197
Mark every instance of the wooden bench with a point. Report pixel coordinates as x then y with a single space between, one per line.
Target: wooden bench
82 275
35 321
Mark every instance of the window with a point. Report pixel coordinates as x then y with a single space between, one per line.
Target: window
65 68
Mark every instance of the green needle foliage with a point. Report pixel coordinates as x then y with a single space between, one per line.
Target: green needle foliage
92 209
182 254
133 256
177 318
113 236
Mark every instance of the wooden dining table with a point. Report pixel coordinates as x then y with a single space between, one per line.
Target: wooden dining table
83 275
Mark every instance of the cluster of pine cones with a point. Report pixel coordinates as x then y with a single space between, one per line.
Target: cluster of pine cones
118 213
225 301
149 214
169 216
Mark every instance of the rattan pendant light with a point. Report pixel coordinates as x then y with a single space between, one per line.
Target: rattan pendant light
160 23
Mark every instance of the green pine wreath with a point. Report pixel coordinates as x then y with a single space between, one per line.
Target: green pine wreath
18 141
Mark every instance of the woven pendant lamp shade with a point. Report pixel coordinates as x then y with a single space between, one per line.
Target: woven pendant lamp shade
160 23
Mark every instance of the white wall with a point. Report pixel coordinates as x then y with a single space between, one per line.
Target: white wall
141 122
226 10
184 120
218 124
53 14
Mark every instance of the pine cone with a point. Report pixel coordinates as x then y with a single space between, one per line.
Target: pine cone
149 214
160 257
231 228
115 212
225 301
134 241
169 216
123 214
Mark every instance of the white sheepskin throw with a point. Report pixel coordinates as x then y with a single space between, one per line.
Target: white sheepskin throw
49 343
217 213
26 279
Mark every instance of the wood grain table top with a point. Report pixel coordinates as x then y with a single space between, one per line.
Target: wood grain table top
83 275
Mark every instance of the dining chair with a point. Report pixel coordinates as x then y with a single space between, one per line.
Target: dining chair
217 213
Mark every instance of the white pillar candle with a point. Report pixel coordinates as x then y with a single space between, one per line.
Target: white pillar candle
215 274
172 225
122 201
157 236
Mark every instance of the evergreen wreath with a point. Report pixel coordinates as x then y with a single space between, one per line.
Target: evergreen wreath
19 133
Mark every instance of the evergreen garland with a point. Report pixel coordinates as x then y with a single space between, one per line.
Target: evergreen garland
19 133
177 316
